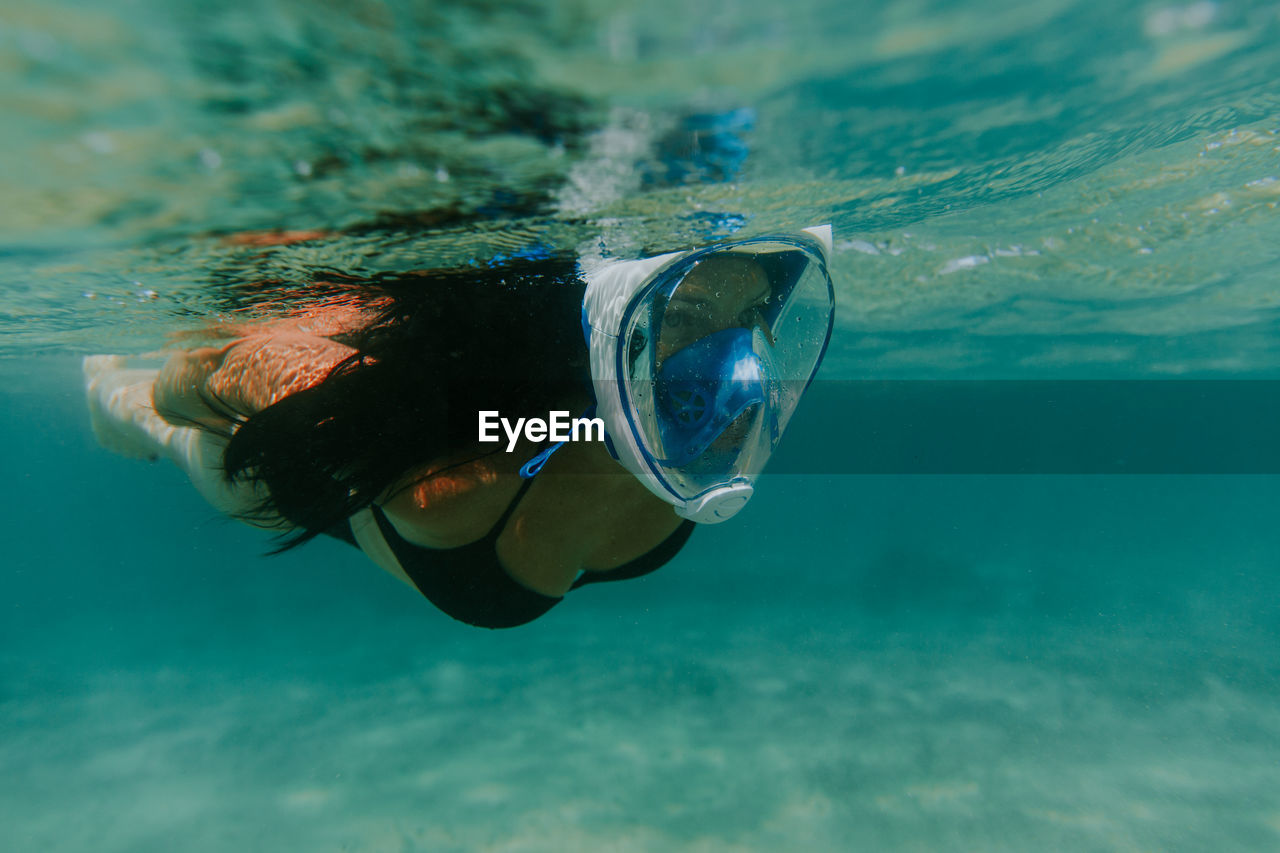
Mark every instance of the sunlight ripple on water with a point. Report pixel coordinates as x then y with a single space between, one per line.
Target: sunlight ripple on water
1036 188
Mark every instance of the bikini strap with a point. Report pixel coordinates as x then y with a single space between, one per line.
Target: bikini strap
501 523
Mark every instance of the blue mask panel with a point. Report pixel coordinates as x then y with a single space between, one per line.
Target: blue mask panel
704 387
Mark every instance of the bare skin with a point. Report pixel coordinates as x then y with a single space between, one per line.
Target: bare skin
246 375
583 513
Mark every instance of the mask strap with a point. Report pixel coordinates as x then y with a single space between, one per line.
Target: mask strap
530 469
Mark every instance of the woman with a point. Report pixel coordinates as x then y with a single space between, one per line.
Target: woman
693 363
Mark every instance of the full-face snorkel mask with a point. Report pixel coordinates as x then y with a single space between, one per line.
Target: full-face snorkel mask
699 359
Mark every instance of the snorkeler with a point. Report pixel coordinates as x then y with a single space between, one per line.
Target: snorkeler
694 362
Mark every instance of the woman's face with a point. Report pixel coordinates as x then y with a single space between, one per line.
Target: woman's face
721 292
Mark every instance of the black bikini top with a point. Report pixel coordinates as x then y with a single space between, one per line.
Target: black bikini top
470 584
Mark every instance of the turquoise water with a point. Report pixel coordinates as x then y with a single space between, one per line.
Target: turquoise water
1069 660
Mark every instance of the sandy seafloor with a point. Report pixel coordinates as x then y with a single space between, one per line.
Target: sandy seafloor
863 663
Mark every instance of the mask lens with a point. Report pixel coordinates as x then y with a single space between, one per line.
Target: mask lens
718 353
721 292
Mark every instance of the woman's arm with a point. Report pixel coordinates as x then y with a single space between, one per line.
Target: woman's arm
246 376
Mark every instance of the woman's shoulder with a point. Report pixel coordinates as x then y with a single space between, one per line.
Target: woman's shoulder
265 368
246 375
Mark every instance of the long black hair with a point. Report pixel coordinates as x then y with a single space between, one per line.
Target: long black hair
446 344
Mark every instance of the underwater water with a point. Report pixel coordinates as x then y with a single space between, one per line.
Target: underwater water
1017 643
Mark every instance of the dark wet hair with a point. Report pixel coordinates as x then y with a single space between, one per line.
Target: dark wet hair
447 344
